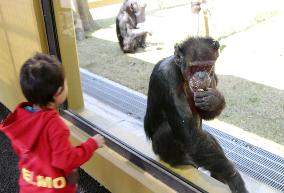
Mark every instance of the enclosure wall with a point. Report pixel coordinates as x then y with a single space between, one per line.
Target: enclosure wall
21 34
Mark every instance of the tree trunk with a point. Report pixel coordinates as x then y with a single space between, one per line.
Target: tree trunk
85 15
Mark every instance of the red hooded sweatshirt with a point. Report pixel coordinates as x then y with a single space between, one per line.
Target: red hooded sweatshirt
46 157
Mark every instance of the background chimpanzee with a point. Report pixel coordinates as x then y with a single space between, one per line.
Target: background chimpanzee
130 31
182 92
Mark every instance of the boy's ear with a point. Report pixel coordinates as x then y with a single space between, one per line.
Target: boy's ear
59 91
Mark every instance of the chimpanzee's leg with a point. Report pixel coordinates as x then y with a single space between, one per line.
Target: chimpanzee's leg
168 148
142 41
206 152
130 44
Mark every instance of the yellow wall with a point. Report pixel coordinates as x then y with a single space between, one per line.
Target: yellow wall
21 34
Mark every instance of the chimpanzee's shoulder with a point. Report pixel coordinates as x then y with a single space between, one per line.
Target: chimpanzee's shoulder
167 66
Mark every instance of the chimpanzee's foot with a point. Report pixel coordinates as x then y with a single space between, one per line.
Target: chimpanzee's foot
218 178
184 160
143 45
236 183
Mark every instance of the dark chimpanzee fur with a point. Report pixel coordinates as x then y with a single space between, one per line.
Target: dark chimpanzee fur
174 114
130 31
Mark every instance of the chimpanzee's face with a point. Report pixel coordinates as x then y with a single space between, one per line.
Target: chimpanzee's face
197 60
198 75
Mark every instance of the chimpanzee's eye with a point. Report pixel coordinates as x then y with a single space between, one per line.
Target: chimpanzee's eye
190 70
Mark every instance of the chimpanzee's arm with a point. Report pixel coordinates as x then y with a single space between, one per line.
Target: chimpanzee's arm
123 24
135 32
175 105
139 31
127 31
180 117
153 116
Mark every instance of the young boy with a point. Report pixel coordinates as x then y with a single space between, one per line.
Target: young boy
39 136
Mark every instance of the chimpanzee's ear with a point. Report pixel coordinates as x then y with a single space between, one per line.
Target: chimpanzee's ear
130 7
133 7
178 54
177 50
216 44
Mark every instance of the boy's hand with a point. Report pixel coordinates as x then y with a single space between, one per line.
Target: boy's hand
99 140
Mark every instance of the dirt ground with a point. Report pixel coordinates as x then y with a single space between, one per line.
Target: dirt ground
250 66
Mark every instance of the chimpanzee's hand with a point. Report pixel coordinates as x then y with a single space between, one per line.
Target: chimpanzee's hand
140 25
209 100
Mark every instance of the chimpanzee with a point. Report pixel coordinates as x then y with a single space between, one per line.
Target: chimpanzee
182 92
130 31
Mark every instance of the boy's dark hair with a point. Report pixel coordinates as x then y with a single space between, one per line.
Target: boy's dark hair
40 78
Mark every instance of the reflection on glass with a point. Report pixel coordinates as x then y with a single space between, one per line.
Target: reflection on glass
249 68
244 29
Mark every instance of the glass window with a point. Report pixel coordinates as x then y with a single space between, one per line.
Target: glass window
249 67
115 76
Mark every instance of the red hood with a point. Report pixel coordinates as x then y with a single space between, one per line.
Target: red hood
23 129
